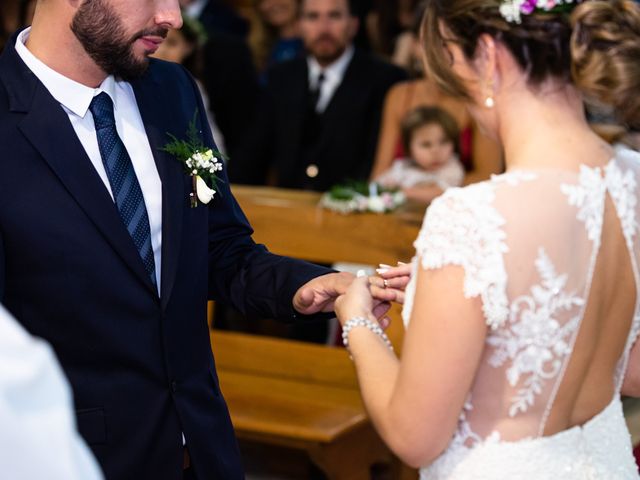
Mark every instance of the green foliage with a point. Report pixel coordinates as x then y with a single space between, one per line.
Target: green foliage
183 150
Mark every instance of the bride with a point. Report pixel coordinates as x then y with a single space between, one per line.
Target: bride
523 306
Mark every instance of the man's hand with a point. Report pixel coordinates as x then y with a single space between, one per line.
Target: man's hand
320 294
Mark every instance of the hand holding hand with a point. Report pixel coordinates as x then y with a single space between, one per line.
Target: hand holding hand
358 301
392 279
319 294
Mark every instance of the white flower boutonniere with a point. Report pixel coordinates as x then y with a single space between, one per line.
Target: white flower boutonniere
200 162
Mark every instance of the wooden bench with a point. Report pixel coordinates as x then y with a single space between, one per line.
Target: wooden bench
301 396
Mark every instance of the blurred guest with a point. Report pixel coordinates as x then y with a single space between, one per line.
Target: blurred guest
429 136
38 438
480 156
216 16
8 20
387 22
319 121
26 11
231 82
275 37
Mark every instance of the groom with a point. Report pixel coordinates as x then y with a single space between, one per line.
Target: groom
100 251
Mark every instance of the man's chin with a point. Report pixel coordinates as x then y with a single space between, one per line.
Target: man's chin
327 58
133 71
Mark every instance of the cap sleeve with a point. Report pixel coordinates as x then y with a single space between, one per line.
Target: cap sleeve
463 228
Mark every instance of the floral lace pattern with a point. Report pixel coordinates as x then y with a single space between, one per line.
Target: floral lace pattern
534 341
461 228
622 187
588 196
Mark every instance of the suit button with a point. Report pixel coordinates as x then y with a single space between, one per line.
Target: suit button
174 386
312 171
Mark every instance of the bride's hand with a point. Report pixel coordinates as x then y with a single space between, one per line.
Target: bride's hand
358 301
391 282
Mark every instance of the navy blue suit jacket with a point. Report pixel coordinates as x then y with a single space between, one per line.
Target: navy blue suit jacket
140 365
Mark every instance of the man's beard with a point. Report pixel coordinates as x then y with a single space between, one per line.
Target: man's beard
102 35
330 55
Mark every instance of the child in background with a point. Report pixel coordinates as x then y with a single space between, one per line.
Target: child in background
430 135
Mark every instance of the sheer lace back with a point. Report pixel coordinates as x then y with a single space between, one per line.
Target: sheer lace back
530 244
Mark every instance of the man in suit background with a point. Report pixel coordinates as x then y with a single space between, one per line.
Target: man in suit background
101 252
320 117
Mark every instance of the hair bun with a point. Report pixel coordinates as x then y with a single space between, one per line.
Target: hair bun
605 50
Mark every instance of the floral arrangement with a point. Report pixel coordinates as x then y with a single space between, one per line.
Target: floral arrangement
511 10
199 161
356 197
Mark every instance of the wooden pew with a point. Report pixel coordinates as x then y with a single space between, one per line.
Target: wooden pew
301 396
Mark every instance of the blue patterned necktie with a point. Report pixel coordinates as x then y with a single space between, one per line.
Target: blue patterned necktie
124 183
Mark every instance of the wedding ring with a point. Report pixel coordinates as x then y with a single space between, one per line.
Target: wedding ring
385 283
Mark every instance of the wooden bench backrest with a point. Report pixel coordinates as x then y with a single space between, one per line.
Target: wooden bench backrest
285 359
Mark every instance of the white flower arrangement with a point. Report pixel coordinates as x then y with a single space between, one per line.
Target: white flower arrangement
360 197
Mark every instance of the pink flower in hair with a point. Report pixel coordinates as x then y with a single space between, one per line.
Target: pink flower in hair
528 6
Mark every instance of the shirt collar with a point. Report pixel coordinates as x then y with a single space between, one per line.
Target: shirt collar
335 71
74 96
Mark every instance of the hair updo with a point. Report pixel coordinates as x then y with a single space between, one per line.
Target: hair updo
596 47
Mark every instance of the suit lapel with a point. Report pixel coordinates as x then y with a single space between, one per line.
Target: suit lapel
65 155
157 118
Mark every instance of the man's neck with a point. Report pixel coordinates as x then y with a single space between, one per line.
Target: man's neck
65 55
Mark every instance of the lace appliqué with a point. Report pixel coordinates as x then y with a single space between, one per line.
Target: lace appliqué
588 196
535 341
462 228
622 187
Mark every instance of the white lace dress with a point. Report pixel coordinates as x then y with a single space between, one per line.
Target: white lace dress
528 242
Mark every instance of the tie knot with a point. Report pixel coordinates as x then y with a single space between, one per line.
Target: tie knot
101 108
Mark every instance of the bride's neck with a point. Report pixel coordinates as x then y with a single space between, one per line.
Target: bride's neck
535 125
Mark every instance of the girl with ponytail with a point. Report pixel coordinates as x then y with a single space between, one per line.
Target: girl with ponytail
523 305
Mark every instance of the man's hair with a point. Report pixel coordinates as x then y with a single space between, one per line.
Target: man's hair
351 6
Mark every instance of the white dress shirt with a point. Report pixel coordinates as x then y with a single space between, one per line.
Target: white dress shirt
75 99
38 437
333 75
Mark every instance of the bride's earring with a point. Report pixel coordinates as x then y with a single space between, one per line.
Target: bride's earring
489 102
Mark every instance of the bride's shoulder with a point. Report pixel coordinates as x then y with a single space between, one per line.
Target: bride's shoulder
481 194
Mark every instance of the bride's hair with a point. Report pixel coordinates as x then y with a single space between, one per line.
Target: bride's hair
596 47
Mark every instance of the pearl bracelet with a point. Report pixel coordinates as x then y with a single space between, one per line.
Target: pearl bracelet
363 322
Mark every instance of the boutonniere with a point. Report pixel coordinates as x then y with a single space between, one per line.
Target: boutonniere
200 163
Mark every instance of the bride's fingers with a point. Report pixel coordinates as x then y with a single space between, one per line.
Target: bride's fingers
394 283
386 271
